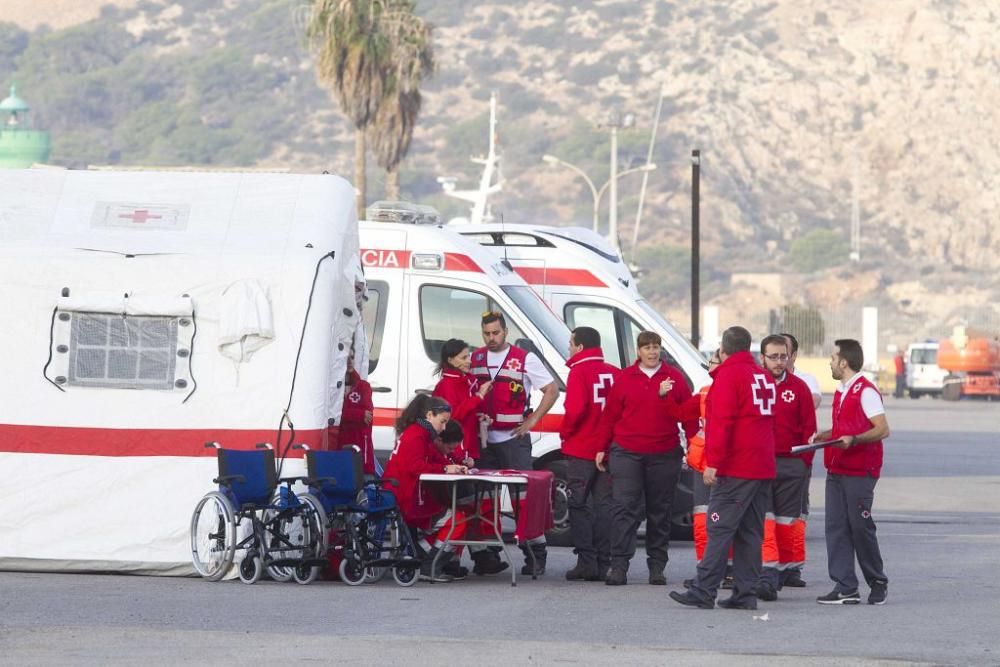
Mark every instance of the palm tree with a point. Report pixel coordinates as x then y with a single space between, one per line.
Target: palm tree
352 58
411 60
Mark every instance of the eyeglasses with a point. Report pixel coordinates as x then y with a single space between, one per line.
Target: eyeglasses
776 357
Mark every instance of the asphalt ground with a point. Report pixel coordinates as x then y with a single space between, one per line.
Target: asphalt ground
937 508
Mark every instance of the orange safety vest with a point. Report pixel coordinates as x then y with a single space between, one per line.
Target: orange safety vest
696 443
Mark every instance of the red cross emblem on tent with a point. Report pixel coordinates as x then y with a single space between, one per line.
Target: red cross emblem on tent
513 364
788 396
139 216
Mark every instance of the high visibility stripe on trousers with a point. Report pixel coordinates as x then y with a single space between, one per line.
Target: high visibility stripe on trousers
698 516
784 543
438 532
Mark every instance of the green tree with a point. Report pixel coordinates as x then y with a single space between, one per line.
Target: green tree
411 60
352 56
817 250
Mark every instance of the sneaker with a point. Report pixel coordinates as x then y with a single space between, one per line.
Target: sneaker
880 591
689 600
731 603
439 578
833 597
657 578
581 572
616 577
765 591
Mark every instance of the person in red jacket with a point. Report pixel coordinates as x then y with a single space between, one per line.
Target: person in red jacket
794 424
464 393
853 467
356 419
640 439
739 462
588 489
420 451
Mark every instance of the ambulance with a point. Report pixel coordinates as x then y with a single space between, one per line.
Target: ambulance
586 283
426 284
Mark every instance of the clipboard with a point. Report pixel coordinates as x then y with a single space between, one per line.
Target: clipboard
800 449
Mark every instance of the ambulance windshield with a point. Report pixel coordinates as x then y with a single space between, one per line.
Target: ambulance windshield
682 343
539 314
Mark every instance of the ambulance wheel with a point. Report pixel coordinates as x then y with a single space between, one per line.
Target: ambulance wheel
213 536
559 535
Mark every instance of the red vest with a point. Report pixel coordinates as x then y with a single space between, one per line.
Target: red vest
506 401
849 419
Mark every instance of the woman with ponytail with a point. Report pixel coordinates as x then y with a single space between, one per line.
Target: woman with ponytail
417 453
464 393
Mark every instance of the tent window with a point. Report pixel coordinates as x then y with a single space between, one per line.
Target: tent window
122 351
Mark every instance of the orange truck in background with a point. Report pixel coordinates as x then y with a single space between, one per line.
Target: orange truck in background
972 359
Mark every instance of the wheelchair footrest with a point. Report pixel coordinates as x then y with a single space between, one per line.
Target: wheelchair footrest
295 562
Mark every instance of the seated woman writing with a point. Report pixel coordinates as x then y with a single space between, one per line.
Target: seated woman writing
419 451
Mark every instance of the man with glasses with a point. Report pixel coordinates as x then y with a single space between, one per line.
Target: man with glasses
513 372
794 424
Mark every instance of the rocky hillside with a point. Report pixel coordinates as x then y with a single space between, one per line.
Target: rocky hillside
798 107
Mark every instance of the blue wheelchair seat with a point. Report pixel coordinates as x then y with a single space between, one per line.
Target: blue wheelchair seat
344 467
247 477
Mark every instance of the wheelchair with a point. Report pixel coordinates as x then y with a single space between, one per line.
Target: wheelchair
364 515
255 512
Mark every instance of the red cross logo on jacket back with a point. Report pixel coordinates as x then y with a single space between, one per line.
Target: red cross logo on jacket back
764 394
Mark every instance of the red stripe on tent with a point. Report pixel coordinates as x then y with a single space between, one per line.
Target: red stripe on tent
454 261
573 277
141 442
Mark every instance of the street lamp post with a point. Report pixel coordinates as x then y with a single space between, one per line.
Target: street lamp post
596 192
615 121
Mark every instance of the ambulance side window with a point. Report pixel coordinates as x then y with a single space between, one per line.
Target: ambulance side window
373 316
450 312
601 318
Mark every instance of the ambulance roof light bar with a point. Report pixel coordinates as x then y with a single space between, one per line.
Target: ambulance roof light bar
403 212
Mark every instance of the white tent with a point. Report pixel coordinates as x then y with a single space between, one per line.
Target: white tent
146 314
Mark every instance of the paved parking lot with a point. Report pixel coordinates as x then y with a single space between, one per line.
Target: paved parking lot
938 509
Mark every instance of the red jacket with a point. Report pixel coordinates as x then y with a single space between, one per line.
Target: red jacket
353 429
849 418
637 419
415 454
459 389
589 383
739 422
794 417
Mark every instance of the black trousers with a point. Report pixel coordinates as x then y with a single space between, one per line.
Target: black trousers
589 500
634 476
513 454
850 532
735 518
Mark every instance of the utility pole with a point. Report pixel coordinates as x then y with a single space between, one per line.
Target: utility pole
695 244
645 177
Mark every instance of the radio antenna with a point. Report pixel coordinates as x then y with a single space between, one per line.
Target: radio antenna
503 242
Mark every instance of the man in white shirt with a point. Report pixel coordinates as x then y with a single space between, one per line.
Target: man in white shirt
513 372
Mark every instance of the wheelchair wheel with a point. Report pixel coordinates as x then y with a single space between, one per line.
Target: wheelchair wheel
251 568
317 534
352 573
213 536
405 575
